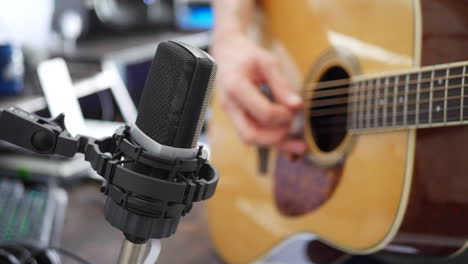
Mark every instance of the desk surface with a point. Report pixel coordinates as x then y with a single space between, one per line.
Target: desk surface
87 234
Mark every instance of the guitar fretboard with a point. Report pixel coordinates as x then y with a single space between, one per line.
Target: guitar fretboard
433 96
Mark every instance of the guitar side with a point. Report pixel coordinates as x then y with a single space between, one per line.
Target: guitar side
363 210
437 213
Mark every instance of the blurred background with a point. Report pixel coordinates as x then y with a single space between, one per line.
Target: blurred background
88 59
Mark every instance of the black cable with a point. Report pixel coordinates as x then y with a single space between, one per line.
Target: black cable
61 251
5 255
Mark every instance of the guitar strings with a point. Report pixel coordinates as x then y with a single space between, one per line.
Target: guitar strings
364 98
325 85
398 122
362 106
399 113
403 93
330 93
361 101
358 94
343 110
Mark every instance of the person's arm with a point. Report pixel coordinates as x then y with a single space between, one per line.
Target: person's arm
233 16
242 67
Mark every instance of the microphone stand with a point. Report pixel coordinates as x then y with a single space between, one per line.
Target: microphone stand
143 206
131 253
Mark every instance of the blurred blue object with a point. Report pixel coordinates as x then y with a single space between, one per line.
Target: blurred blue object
195 17
149 2
11 70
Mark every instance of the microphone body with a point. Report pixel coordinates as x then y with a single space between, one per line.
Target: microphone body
173 104
170 117
153 170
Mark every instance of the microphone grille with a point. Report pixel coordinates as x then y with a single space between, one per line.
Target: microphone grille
176 95
205 105
166 89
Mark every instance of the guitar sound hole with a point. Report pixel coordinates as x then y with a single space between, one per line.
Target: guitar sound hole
328 112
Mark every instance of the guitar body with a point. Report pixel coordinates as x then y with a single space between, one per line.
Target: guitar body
404 191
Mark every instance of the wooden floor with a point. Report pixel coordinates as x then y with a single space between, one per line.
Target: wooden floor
87 234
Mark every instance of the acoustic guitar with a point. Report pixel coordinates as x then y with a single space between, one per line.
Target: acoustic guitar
385 88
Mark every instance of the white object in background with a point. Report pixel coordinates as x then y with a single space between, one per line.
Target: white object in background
59 94
293 250
154 252
120 92
71 27
6 36
27 21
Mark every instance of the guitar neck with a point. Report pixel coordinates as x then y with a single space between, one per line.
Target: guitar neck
430 96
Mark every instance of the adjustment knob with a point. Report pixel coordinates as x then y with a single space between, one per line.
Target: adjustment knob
43 140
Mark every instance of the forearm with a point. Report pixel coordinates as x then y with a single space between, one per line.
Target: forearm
232 17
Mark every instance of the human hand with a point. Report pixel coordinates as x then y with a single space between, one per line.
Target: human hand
243 67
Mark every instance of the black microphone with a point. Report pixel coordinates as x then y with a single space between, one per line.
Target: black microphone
174 101
153 169
170 117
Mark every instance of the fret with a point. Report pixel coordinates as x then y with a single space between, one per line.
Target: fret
462 99
454 95
361 104
365 94
385 106
372 106
445 94
395 99
405 106
369 103
389 84
465 99
382 102
411 100
438 95
430 97
352 106
418 91
400 108
424 97
358 103
376 106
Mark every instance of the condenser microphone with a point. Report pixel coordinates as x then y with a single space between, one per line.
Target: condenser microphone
153 169
170 117
172 107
